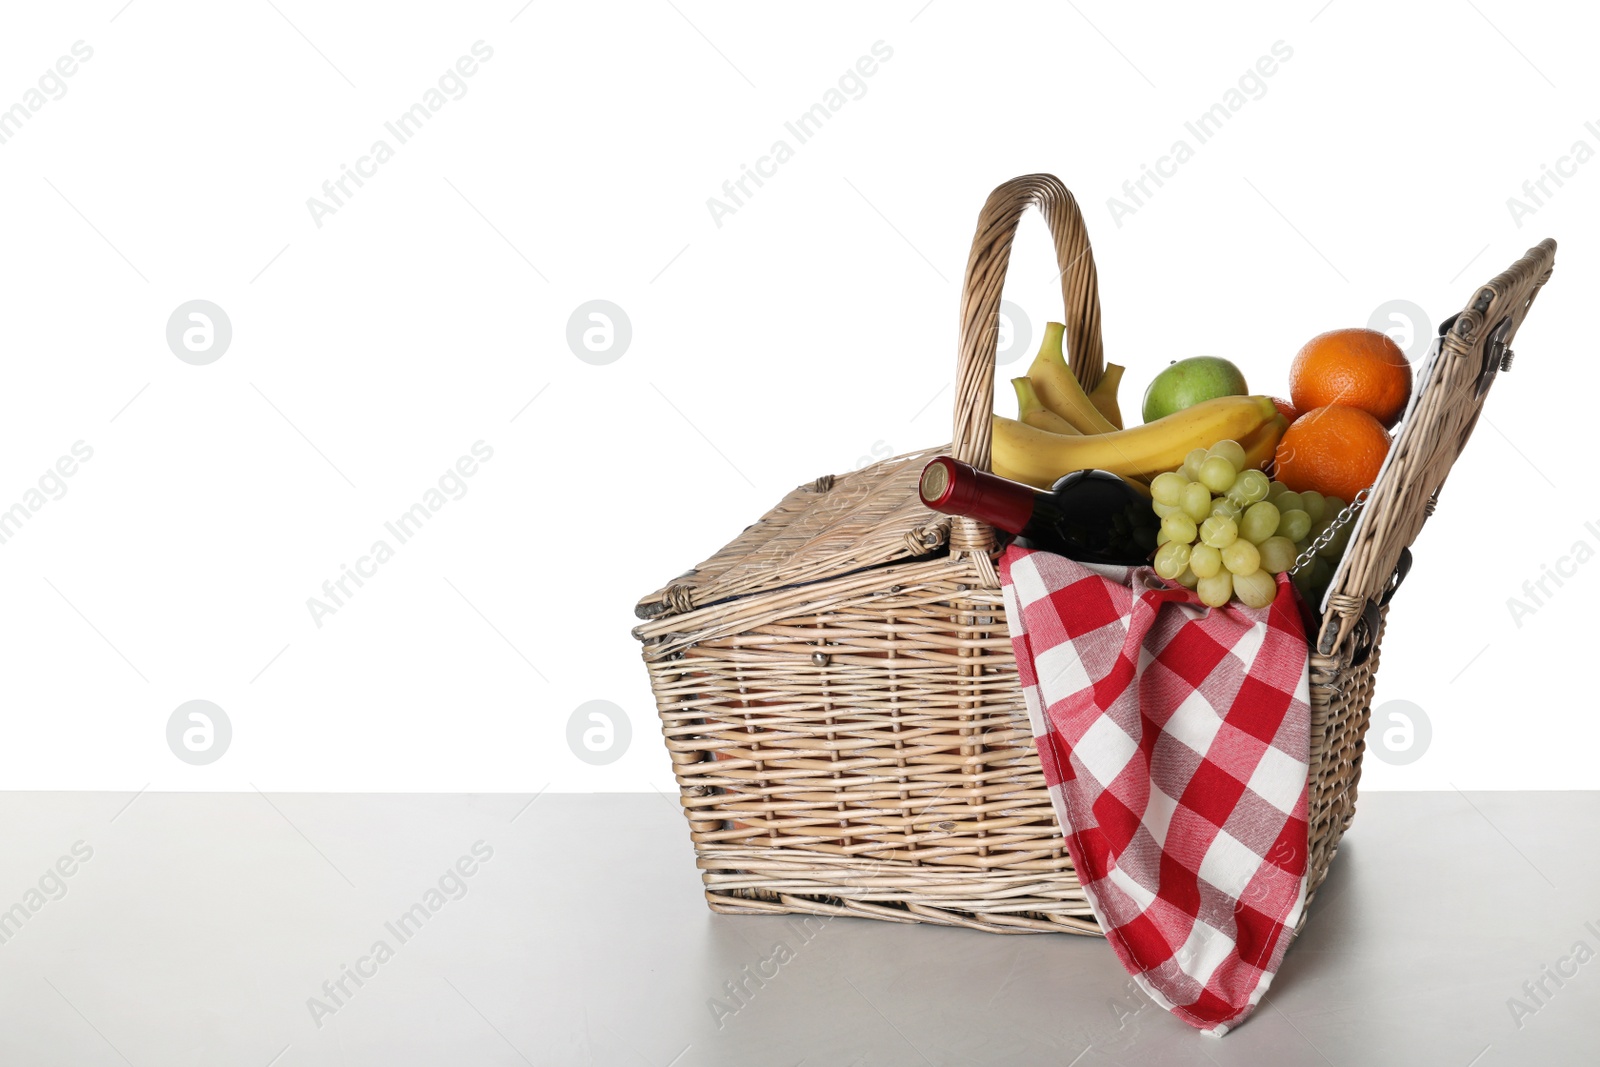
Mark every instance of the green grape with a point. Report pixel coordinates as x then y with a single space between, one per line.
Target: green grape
1196 501
1331 505
1232 451
1257 589
1316 578
1304 581
1179 528
1167 488
1171 559
1187 579
1260 522
1249 488
1204 560
1226 508
1275 490
1242 557
1219 531
1314 504
1217 474
1289 501
1294 524
1162 537
1216 589
1163 510
1191 464
1277 554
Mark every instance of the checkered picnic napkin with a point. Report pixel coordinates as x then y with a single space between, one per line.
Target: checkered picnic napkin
1175 740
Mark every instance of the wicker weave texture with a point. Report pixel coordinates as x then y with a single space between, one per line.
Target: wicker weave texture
837 689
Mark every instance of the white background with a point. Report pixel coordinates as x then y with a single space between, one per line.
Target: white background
814 329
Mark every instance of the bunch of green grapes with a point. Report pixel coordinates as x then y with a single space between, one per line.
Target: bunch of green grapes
1227 531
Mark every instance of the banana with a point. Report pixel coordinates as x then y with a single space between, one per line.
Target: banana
1104 395
1059 389
1260 446
1028 454
1031 411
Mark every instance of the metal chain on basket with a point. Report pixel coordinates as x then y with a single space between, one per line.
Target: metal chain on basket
1346 513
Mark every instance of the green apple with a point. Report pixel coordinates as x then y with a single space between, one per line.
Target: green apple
1189 381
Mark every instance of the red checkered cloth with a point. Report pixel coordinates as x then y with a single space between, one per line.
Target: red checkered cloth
1175 740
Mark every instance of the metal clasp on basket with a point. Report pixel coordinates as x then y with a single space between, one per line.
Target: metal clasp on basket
1496 356
1372 614
1365 631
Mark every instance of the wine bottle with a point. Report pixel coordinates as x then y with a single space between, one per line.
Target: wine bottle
1090 515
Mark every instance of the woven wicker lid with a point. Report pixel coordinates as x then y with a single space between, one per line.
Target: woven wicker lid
833 526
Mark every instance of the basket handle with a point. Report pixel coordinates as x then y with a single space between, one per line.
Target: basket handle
980 314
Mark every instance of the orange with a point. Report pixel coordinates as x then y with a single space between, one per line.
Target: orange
1285 408
1358 368
1335 450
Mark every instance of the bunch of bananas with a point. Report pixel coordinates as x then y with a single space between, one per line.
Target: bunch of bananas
1060 428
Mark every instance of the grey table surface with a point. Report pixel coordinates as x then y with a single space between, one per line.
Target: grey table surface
270 929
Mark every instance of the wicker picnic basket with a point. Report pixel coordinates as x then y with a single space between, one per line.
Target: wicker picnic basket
837 688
